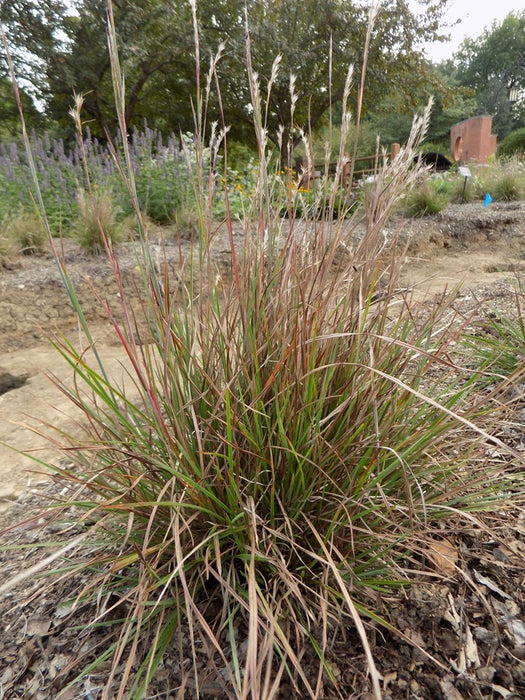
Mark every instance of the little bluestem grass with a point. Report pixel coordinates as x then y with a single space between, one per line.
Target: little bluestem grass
279 450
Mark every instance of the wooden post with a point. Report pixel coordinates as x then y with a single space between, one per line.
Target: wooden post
394 150
346 173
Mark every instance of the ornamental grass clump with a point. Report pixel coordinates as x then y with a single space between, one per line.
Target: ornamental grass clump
497 343
8 246
99 221
425 199
279 451
24 233
504 180
509 187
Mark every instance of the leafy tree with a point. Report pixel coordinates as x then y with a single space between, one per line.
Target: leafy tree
392 117
492 65
33 35
10 128
155 43
304 33
157 52
452 105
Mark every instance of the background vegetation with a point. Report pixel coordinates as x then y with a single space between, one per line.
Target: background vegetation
60 47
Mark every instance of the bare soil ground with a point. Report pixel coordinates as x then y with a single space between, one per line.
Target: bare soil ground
471 621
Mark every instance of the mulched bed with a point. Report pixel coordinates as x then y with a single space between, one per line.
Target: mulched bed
463 627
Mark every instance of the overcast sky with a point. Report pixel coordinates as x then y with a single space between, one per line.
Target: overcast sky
475 16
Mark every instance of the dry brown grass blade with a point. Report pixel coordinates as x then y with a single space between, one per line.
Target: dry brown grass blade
42 565
252 677
343 587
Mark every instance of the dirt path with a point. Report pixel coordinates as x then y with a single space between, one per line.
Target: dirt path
39 399
466 244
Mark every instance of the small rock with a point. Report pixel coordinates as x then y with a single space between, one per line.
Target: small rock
486 674
7 493
10 381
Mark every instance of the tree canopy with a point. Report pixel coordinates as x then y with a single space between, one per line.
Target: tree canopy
156 43
10 127
305 34
33 35
492 66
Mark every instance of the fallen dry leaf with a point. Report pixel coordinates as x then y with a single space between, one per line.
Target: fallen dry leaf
443 555
449 691
485 581
38 627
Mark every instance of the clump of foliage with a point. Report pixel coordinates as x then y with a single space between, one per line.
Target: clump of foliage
498 342
99 221
8 247
512 145
162 174
161 169
24 233
268 445
427 197
505 181
509 187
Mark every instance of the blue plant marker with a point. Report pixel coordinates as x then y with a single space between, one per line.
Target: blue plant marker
488 200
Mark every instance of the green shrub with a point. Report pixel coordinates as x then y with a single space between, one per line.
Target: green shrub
25 232
240 155
425 199
159 194
163 174
512 145
504 180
